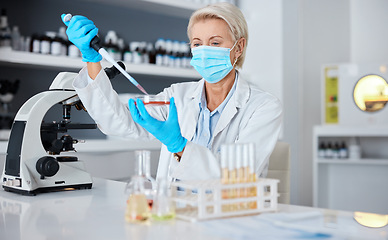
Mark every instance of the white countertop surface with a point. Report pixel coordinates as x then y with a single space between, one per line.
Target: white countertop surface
98 213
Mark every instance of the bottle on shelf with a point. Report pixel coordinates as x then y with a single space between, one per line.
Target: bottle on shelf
354 149
160 48
56 44
5 32
168 57
35 43
65 43
151 53
121 46
127 54
16 38
137 55
343 151
329 151
45 44
187 54
335 150
111 46
322 150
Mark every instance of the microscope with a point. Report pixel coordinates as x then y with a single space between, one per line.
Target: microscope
33 164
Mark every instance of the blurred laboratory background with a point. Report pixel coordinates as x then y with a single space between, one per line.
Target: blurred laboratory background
309 53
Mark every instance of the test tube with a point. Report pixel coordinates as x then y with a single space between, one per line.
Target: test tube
232 174
224 175
224 165
252 174
245 160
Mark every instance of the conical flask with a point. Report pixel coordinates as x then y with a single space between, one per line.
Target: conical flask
137 206
163 207
143 168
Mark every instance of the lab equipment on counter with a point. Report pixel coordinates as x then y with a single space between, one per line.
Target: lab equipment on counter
32 162
202 200
95 44
238 192
140 189
137 209
143 169
163 208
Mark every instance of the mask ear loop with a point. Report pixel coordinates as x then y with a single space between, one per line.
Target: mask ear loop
235 62
231 50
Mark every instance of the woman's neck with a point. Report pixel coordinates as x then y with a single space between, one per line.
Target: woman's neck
217 92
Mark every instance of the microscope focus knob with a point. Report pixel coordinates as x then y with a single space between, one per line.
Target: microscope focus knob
47 166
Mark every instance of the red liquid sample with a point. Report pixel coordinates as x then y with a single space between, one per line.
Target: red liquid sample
156 103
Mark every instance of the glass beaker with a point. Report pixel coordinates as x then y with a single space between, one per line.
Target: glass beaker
137 205
163 208
143 168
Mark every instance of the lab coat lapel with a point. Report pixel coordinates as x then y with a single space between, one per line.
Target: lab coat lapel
239 98
191 113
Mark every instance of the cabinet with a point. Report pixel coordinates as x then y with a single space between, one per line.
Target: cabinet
352 184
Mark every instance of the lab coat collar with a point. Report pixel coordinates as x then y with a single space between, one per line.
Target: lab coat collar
238 100
191 118
242 93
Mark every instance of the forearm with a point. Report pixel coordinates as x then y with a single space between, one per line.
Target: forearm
93 69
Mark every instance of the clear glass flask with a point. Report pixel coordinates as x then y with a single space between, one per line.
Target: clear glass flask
163 208
143 168
137 206
141 189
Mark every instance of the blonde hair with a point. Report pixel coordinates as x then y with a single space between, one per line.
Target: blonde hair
231 15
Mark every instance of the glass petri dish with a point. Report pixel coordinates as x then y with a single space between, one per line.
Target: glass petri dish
153 100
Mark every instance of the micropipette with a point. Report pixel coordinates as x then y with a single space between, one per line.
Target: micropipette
95 44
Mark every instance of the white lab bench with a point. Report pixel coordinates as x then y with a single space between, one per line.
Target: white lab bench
110 158
98 213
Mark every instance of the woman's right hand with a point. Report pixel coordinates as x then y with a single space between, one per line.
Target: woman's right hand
81 31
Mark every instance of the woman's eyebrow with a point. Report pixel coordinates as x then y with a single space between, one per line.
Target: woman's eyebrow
215 36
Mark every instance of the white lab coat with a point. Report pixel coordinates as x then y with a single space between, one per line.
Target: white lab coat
251 115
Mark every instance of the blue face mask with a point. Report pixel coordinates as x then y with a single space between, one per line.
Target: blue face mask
213 63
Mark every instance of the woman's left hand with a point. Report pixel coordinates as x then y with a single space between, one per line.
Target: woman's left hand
168 132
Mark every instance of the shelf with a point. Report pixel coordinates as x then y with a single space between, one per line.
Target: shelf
363 161
176 8
8 56
343 131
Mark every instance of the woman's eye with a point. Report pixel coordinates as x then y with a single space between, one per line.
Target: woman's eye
196 45
215 44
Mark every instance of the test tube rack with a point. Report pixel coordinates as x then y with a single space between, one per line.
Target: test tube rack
205 199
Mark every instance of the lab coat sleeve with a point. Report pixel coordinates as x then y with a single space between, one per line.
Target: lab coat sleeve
263 129
198 161
104 106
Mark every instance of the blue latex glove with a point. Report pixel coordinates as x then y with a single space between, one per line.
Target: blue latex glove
81 31
168 132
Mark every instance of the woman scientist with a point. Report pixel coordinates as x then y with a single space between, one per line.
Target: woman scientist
221 108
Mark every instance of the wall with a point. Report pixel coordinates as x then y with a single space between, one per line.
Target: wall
289 41
325 38
272 63
369 32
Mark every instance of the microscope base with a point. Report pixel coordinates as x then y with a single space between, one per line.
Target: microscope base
48 189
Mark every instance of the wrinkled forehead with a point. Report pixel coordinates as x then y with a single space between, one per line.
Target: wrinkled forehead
206 28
